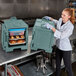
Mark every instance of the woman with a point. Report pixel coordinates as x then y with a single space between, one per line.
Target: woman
62 33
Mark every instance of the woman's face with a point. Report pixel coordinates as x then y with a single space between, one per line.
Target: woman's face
65 16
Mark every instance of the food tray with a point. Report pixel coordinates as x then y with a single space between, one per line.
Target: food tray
17 43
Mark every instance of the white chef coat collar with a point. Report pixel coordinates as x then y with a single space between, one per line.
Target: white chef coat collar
64 23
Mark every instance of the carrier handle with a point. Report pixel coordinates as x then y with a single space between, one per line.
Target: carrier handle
1 21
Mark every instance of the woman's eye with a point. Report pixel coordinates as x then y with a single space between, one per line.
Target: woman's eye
63 15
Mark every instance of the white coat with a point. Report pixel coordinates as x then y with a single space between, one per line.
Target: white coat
62 34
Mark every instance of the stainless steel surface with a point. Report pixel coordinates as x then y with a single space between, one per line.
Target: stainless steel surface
6 1
14 56
56 7
31 8
38 8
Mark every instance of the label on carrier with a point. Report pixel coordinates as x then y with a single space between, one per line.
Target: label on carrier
16 31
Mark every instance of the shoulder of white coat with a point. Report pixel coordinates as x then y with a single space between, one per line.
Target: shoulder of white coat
70 24
60 19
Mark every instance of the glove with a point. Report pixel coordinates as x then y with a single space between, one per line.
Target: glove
47 17
48 26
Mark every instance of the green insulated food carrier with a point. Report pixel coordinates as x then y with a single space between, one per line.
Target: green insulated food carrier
14 34
42 38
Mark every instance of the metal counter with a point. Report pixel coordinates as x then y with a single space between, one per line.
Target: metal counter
6 58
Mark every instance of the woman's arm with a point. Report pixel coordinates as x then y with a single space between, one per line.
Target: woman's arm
54 20
53 29
61 35
51 19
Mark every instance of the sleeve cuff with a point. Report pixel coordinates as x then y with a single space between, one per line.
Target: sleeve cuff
54 20
57 34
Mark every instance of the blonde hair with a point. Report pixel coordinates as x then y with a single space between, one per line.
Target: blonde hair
71 13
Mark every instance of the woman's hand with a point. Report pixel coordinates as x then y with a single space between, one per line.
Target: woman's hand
49 26
48 18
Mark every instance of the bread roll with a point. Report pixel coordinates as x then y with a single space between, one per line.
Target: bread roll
22 36
12 41
17 37
12 37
